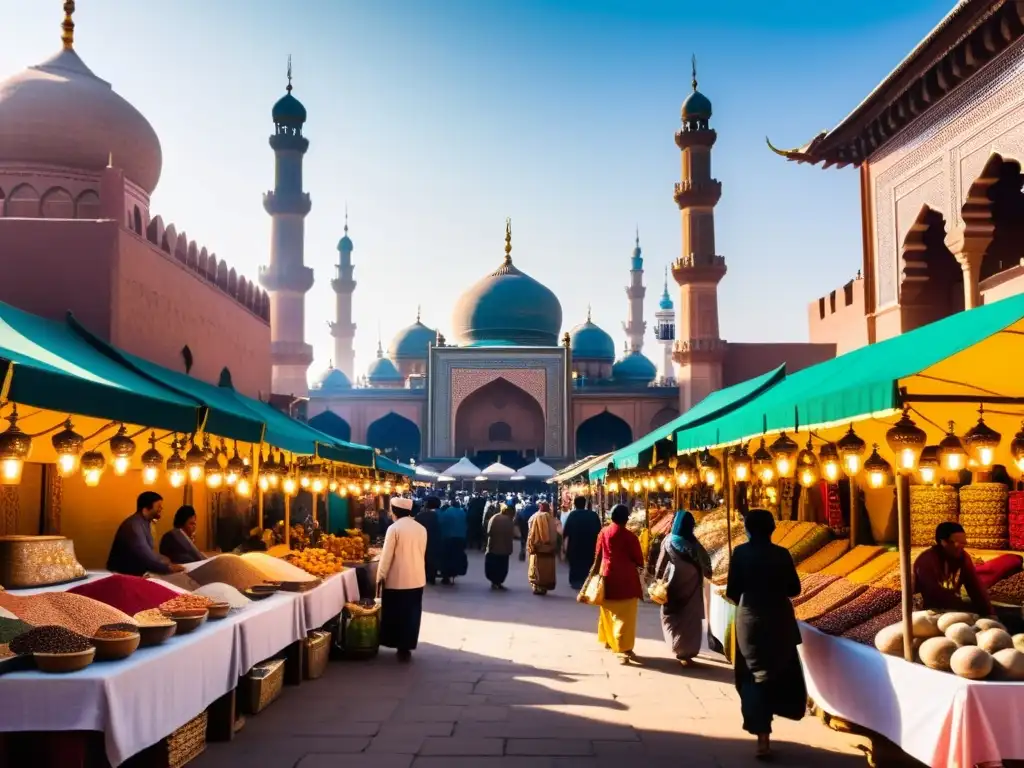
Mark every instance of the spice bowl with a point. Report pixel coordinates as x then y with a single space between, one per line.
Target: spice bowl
115 648
187 621
63 663
154 634
261 591
218 611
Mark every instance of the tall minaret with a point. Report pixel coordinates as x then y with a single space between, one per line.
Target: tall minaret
699 350
287 279
665 332
635 325
343 329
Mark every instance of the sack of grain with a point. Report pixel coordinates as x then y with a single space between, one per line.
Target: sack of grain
984 516
929 506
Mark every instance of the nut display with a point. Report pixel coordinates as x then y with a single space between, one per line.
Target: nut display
825 556
929 506
833 596
874 602
186 603
984 516
852 560
810 543
50 639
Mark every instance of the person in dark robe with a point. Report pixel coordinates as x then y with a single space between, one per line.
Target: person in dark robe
684 564
177 544
453 525
475 531
762 582
400 580
427 517
942 570
131 552
500 545
527 511
579 534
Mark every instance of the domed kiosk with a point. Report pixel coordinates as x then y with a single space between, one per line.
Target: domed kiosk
333 381
383 373
593 350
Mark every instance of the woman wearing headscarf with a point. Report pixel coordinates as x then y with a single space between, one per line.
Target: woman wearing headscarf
618 559
762 582
500 535
428 518
542 546
453 542
684 564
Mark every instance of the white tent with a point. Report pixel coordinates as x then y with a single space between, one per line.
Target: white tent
498 471
537 470
423 471
464 469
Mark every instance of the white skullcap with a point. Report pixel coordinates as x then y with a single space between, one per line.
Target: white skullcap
399 502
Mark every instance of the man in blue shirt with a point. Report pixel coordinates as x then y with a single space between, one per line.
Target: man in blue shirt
523 524
132 552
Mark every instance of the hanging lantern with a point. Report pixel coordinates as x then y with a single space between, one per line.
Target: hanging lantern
318 483
15 447
981 441
1017 448
214 475
906 440
851 451
332 485
828 457
741 464
613 487
711 468
807 469
951 451
784 452
343 491
878 469
195 460
290 485
928 465
68 445
152 460
177 469
304 479
264 483
242 487
763 464
271 470
235 468
93 464
122 448
686 471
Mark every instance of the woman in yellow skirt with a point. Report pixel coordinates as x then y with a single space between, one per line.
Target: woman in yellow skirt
619 558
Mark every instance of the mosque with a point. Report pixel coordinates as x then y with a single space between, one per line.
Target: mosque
79 164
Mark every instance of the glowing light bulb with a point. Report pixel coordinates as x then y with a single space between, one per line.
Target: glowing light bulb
741 473
332 486
830 469
343 491
637 487
176 478
317 485
195 473
150 474
243 488
304 481
927 475
290 486
808 477
92 477
67 463
10 471
851 464
273 480
711 478
214 480
264 483
876 479
767 474
783 465
121 464
954 461
908 459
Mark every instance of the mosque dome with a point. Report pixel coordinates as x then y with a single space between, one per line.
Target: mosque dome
58 113
696 105
331 382
589 342
508 307
288 110
382 371
634 368
666 300
412 343
345 244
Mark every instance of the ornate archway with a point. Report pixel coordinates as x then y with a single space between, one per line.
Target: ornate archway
395 436
1007 207
499 416
601 434
663 417
332 424
932 280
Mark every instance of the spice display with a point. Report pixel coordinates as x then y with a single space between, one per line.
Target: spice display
177 582
824 557
65 609
810 543
224 593
811 584
186 603
865 633
131 629
929 506
983 514
152 618
11 628
852 560
50 639
1009 590
782 529
795 533
829 599
318 562
274 569
876 568
114 634
129 594
874 602
233 570
1015 519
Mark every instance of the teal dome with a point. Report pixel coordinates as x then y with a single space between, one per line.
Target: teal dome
383 371
331 382
696 106
634 368
666 300
289 111
412 342
589 342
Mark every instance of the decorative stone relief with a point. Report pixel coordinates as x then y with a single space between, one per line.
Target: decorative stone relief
466 381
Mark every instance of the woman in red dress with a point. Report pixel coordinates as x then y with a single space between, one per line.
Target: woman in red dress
619 557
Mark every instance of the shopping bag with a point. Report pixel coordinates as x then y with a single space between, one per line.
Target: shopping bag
593 590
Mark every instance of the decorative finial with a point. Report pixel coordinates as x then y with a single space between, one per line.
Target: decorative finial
566 340
346 232
588 313
289 88
666 278
637 235
508 241
693 65
67 35
330 363
418 308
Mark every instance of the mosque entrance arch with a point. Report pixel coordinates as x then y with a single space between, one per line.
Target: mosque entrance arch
396 437
332 424
499 416
602 433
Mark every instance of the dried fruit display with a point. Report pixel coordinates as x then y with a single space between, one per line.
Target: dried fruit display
929 506
852 560
832 597
1009 590
876 568
318 562
811 585
825 556
865 633
874 602
984 515
811 542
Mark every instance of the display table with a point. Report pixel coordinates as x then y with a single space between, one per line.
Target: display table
264 628
350 582
325 601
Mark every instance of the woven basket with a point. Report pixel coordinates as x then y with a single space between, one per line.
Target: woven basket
983 514
318 653
929 506
1016 520
187 743
262 685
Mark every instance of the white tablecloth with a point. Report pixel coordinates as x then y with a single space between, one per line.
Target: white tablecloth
135 702
350 581
941 719
266 627
325 601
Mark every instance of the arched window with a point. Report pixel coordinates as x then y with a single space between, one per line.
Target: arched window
499 432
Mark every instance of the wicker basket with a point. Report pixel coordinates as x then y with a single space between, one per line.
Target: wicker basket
983 514
37 561
262 686
181 747
929 506
318 653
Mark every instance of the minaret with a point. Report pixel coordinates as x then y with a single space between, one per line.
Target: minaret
635 291
699 350
287 279
665 332
343 329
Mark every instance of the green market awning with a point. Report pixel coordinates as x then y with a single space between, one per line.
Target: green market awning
48 366
581 467
953 363
384 464
710 408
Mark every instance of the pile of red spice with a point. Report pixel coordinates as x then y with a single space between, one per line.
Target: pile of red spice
129 594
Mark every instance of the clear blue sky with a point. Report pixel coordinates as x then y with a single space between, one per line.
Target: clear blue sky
436 120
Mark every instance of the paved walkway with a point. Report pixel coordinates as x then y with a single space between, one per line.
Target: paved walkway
503 680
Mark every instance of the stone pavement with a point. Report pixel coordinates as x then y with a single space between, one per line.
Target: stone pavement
503 680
